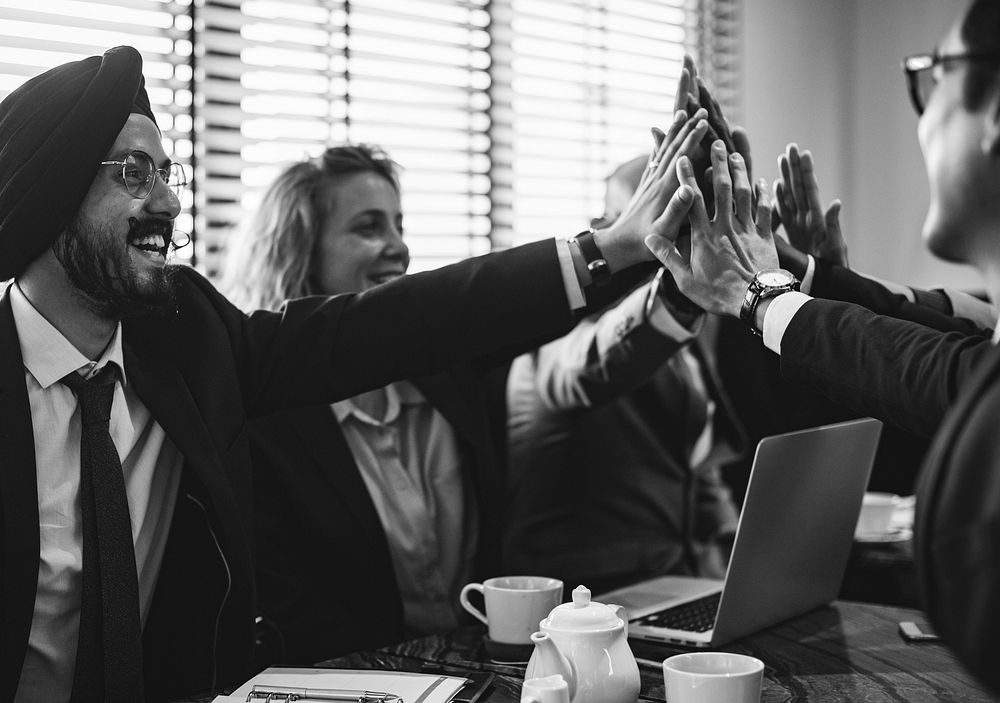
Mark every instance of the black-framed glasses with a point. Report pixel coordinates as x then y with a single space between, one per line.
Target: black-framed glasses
139 173
921 76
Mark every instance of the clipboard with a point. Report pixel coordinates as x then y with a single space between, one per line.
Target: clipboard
288 684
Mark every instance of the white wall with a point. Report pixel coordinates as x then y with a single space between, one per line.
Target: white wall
826 75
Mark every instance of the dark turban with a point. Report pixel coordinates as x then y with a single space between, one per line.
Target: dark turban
55 130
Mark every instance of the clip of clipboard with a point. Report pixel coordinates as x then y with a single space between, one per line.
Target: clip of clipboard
288 694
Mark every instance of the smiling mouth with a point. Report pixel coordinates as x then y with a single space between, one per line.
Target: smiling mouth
151 237
151 245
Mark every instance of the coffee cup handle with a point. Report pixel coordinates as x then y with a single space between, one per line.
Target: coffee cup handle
463 598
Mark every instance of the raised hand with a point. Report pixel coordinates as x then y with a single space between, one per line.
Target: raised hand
810 229
727 250
623 241
681 139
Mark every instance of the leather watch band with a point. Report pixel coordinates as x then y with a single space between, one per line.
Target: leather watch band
600 273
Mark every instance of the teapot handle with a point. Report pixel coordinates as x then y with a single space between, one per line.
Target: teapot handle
463 598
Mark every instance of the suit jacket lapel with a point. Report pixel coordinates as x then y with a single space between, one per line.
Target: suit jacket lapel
467 419
445 395
935 468
18 505
335 471
167 397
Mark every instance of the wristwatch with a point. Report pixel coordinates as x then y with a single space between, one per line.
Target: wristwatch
765 284
600 273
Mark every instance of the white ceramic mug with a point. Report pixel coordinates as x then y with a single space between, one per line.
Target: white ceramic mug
876 514
514 605
545 689
712 677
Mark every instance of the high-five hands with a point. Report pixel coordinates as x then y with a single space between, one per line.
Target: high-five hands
810 229
726 250
645 211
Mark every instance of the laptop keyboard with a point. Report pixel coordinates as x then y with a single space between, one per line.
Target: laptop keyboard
695 616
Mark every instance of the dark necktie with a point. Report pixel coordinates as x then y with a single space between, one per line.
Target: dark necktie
685 365
109 653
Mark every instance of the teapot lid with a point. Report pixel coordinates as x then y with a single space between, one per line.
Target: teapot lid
582 614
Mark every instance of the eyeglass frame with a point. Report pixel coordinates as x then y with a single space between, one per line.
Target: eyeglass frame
932 61
163 174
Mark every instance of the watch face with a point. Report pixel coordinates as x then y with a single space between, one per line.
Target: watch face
773 278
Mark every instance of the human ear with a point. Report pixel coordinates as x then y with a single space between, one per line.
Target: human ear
991 126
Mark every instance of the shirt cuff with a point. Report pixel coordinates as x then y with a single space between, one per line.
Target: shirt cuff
574 293
807 279
779 315
972 308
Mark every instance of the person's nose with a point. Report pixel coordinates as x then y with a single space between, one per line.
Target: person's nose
395 246
162 201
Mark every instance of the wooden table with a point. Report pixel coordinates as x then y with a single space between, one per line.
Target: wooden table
844 652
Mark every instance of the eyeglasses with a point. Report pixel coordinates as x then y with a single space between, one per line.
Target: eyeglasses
139 173
921 78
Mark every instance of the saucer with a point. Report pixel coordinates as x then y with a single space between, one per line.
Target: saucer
901 534
504 653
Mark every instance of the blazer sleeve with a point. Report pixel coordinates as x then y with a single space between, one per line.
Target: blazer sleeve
605 355
318 350
835 282
901 372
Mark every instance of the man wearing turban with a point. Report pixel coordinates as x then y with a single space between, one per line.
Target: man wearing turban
110 357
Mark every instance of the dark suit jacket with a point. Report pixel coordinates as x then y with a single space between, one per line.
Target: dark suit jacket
202 372
324 576
957 532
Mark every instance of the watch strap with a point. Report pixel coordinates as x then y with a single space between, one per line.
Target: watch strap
600 272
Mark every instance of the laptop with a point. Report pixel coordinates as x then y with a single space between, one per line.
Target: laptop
791 547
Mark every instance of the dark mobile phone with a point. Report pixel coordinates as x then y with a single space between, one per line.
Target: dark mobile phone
917 632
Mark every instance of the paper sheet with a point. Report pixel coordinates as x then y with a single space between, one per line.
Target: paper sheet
412 688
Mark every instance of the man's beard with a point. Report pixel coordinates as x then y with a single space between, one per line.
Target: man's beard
100 268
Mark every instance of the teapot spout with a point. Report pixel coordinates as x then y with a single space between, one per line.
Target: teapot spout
547 660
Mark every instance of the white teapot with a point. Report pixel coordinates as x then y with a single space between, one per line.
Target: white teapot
587 643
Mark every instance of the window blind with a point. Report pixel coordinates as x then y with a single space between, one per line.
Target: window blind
576 86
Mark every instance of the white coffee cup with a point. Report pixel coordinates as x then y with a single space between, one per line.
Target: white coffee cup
712 677
514 605
545 689
876 514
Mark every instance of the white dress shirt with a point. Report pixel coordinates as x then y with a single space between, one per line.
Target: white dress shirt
151 466
411 464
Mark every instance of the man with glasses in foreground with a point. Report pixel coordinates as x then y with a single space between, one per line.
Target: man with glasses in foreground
126 384
733 269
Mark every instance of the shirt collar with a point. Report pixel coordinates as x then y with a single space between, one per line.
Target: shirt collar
398 394
47 354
